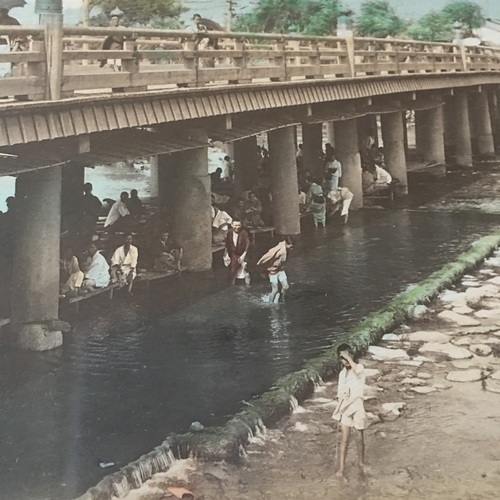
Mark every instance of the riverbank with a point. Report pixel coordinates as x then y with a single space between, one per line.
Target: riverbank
433 399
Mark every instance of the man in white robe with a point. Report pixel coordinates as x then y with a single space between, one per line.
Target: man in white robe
97 272
124 264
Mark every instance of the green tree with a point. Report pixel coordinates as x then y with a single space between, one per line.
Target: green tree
378 19
311 17
142 12
470 14
431 27
438 25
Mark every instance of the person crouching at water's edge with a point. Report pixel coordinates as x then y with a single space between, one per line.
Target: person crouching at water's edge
235 255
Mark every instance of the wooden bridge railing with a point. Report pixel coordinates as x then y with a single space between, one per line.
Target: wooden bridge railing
153 59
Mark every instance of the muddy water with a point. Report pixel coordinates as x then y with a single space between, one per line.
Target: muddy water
193 349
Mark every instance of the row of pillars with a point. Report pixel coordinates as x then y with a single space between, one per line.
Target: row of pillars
184 192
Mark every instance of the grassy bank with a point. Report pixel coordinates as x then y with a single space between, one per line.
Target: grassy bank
224 443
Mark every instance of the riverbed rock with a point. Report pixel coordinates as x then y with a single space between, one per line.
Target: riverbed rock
458 319
424 375
470 283
395 408
470 375
494 281
493 386
413 381
493 262
491 340
406 362
463 309
441 387
488 314
390 336
450 350
382 353
475 295
490 303
480 349
418 312
371 372
495 375
427 336
478 330
462 341
422 390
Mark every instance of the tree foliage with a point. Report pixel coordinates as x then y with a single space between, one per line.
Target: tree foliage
141 12
310 17
378 19
438 25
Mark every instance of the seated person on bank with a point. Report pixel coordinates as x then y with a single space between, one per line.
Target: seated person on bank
253 210
216 177
96 272
168 254
221 222
124 264
375 178
71 275
134 204
119 217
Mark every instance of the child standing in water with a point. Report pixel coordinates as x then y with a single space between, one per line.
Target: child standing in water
350 412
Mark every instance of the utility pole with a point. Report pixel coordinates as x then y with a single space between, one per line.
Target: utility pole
85 12
228 14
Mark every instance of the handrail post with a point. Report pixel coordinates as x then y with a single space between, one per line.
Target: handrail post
463 55
132 66
51 18
192 61
314 61
349 42
280 60
38 68
240 61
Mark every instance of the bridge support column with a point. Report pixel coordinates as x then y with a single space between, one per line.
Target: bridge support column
347 151
449 133
312 139
285 188
73 178
153 179
189 204
482 124
461 126
431 135
330 133
494 102
394 150
367 127
245 164
35 273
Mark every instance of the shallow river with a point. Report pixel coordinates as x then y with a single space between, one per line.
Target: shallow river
193 349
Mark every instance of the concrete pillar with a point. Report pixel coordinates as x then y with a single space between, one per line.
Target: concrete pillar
419 132
431 135
482 124
461 126
449 132
312 138
330 133
153 179
166 183
35 273
245 164
494 104
286 217
394 150
347 150
191 218
367 127
73 178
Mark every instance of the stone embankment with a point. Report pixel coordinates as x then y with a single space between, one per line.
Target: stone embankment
433 400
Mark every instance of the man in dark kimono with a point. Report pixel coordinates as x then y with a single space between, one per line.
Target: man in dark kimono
235 254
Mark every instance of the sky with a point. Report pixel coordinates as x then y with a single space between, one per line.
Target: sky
410 9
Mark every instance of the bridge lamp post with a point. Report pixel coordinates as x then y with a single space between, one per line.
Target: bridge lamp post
457 32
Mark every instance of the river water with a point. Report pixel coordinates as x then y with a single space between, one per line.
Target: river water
194 349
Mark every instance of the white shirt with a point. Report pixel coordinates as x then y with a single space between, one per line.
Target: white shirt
119 209
352 383
98 270
121 259
383 177
220 218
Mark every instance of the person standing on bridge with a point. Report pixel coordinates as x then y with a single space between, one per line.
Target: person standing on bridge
114 42
204 42
10 44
